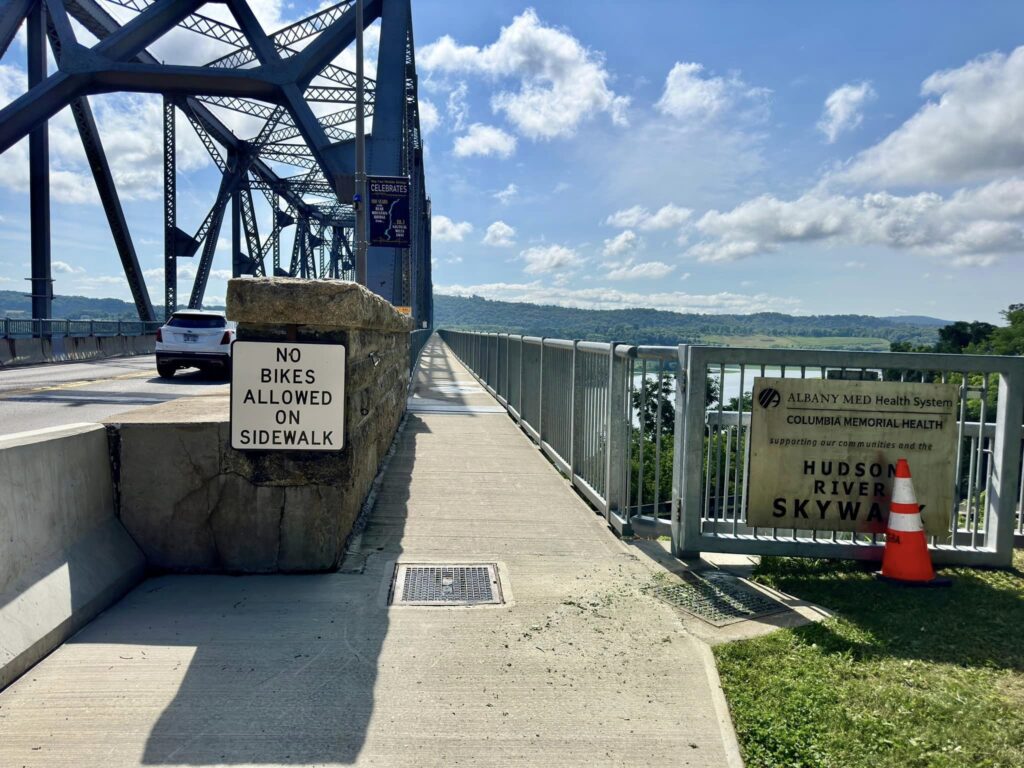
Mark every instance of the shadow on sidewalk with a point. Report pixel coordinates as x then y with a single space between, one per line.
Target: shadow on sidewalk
285 667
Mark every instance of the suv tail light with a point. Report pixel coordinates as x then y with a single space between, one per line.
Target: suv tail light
226 338
159 334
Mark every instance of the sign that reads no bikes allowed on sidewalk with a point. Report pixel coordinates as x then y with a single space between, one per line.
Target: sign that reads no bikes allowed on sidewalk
823 453
287 397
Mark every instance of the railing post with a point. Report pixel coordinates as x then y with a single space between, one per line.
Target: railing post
1001 495
615 445
508 344
494 363
688 456
522 355
573 403
540 395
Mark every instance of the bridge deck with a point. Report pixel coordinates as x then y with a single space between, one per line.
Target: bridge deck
579 669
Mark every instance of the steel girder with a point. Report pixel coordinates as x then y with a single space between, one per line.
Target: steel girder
270 77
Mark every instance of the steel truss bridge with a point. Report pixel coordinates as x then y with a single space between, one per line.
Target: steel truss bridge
295 149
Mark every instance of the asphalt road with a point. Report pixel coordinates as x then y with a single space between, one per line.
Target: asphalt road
40 396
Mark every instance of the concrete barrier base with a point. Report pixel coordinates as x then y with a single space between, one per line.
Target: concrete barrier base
64 556
62 349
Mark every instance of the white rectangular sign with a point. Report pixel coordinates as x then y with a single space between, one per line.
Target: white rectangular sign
287 396
823 453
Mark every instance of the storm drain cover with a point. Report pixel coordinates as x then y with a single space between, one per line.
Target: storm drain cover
443 584
717 598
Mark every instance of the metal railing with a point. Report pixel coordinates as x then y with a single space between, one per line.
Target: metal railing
580 402
656 437
417 339
26 328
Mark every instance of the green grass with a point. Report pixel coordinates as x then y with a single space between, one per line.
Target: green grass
929 678
801 342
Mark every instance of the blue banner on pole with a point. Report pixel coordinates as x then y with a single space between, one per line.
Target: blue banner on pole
388 208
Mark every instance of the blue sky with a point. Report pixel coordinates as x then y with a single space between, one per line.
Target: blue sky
714 157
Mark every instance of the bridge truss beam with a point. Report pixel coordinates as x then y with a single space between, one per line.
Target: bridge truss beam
280 80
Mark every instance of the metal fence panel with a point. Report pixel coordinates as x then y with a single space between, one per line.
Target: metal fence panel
529 413
711 470
556 402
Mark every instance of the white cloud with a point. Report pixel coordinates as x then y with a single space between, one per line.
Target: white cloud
186 271
970 132
444 229
561 82
666 217
549 258
970 227
485 140
458 106
610 298
645 269
691 95
507 195
624 242
430 118
500 235
66 269
127 124
844 109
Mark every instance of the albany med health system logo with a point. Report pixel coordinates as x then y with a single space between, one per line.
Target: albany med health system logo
769 398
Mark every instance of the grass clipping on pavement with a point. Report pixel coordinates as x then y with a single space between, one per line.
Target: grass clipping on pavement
900 677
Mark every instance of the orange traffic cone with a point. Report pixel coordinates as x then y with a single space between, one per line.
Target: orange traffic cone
906 559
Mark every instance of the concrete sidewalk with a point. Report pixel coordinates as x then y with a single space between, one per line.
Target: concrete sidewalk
579 668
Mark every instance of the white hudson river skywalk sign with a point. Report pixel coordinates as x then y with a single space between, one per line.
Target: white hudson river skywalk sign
823 453
287 397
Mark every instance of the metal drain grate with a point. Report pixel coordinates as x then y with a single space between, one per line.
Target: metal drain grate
717 598
446 585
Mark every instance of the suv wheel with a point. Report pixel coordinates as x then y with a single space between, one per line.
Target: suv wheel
166 370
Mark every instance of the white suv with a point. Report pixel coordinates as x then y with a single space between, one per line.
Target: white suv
194 338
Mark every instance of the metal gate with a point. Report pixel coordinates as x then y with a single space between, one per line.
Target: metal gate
710 471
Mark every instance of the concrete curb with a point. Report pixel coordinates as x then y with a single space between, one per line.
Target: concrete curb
729 741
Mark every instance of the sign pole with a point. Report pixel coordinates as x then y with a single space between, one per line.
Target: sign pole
361 201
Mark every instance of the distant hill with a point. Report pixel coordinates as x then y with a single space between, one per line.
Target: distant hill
635 326
17 304
923 320
652 326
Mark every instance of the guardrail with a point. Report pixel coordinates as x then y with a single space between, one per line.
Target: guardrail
656 437
417 339
26 328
